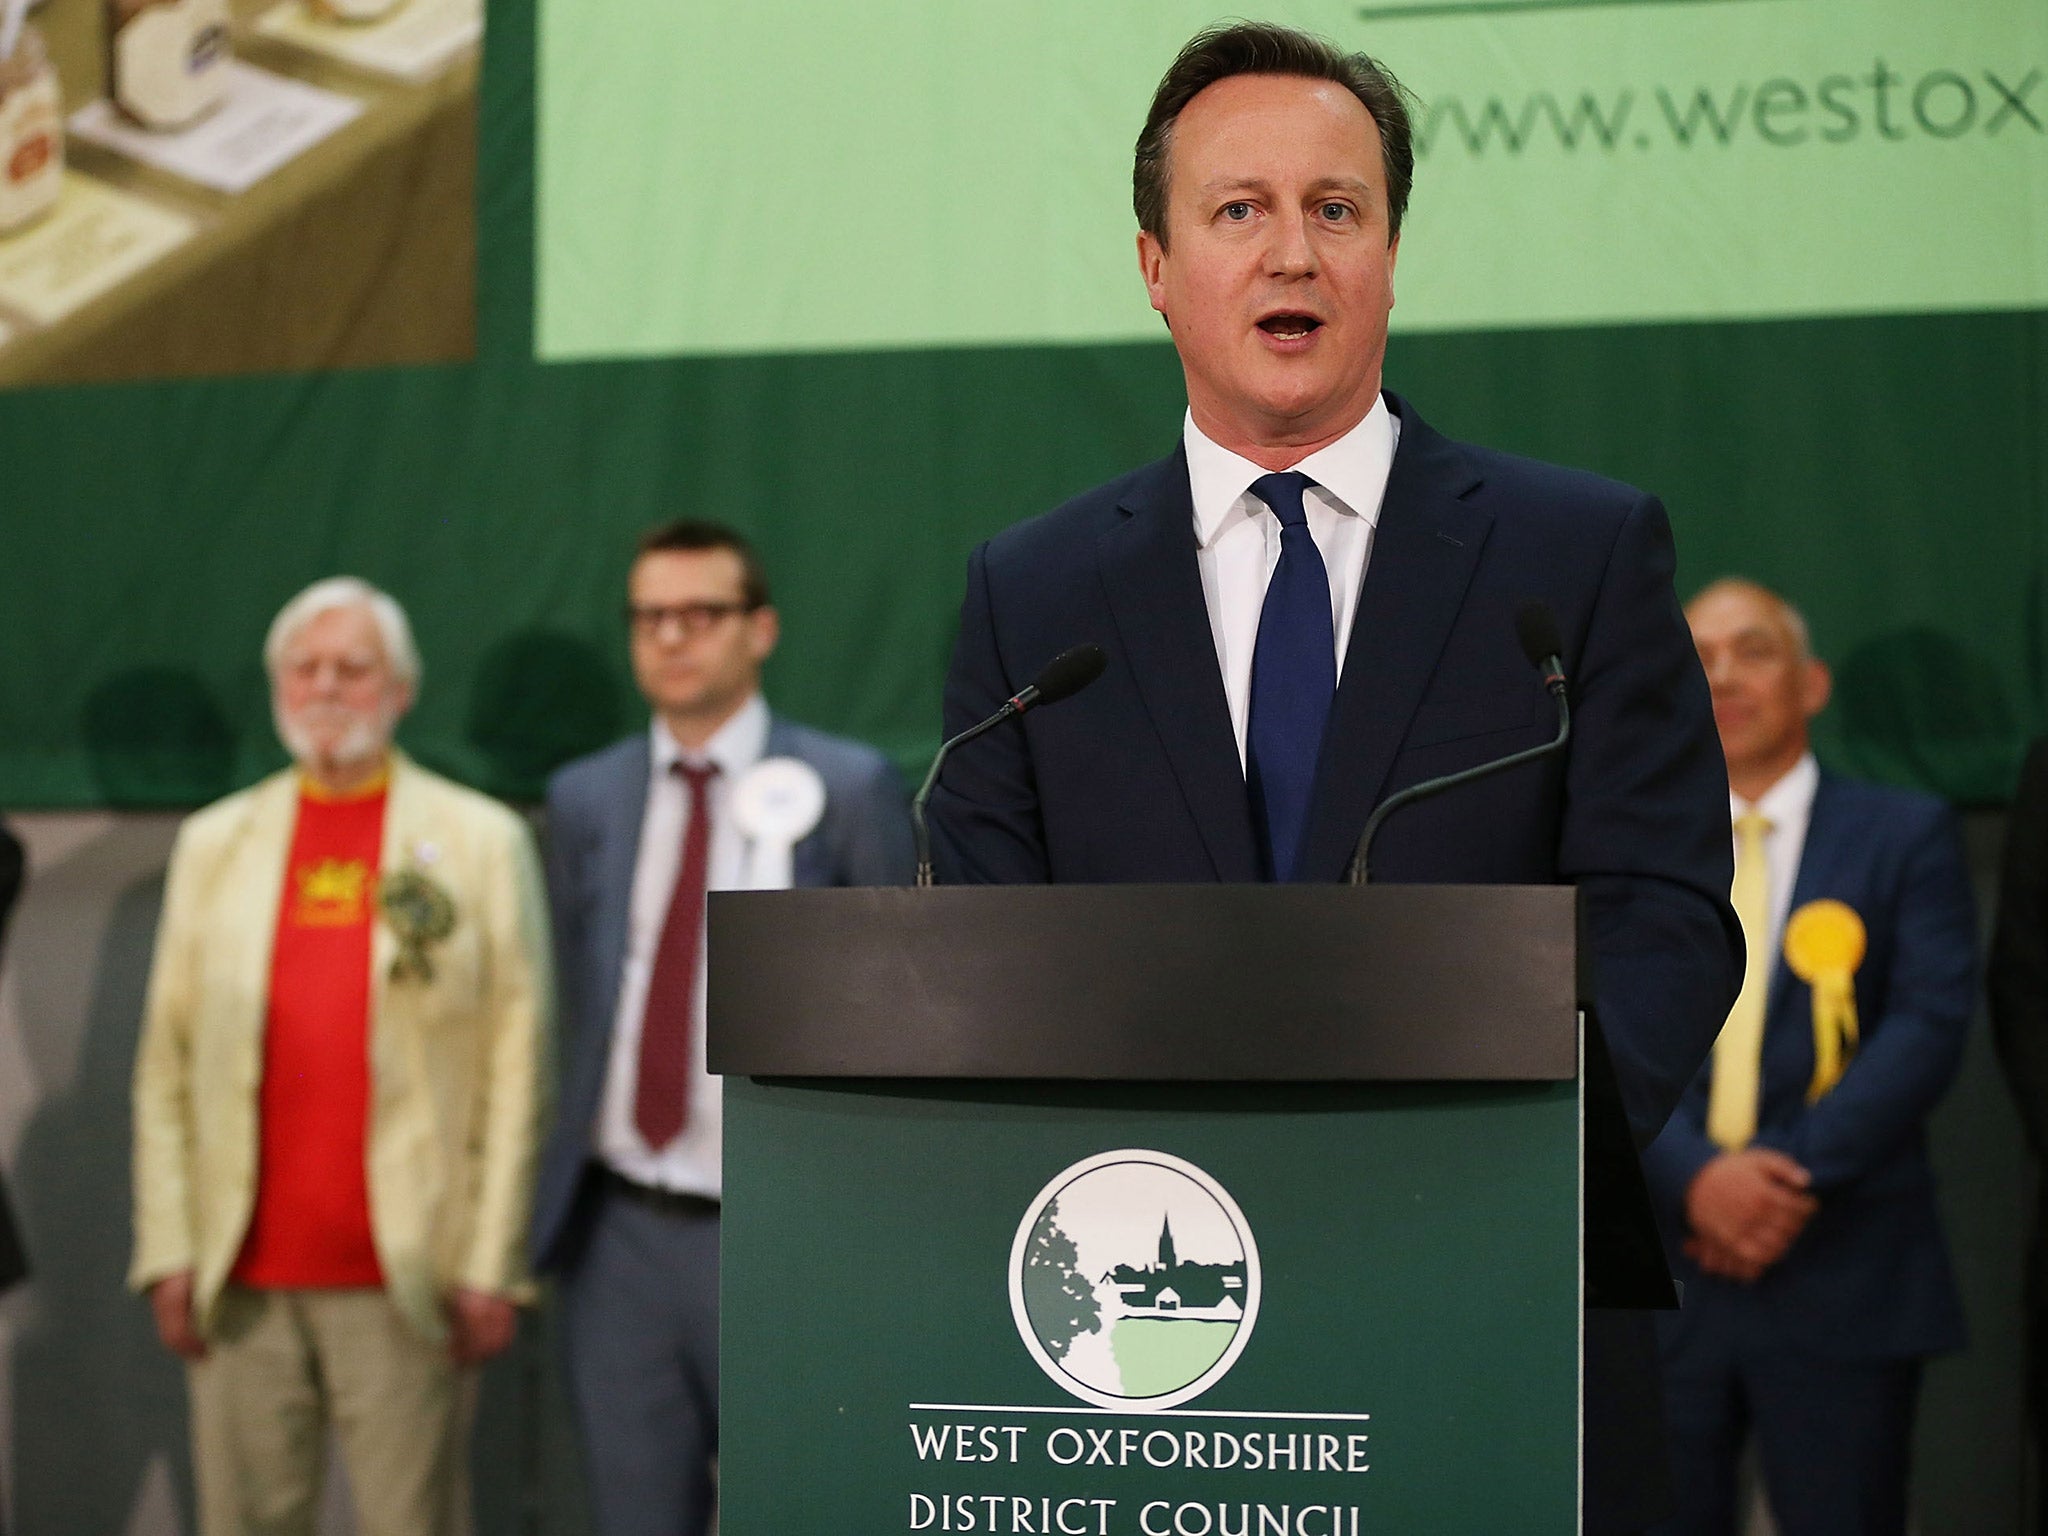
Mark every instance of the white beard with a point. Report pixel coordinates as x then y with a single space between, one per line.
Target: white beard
364 741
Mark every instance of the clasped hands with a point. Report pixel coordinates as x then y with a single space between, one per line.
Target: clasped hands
1745 1208
480 1324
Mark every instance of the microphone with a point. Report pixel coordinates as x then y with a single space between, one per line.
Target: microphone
1061 678
1536 628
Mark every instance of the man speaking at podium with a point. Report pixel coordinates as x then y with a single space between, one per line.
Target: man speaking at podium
1309 604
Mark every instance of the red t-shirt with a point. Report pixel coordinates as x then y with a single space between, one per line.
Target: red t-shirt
311 1222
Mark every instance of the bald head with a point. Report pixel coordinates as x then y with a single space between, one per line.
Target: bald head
1740 587
1766 683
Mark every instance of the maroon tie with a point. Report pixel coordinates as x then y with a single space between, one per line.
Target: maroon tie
661 1096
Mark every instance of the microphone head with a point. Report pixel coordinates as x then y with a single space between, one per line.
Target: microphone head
1536 626
1069 672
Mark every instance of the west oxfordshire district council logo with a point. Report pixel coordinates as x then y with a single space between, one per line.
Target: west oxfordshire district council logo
1134 1280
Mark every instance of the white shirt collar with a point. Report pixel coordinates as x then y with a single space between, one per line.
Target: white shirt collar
1353 470
1789 802
735 747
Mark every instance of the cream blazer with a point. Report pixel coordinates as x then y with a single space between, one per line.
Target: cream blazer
457 1063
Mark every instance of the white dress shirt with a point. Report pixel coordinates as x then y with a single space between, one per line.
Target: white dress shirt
1239 538
691 1163
1788 806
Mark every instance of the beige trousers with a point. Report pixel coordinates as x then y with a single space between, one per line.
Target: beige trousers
281 1368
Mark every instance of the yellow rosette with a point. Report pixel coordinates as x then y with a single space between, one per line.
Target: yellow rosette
1824 945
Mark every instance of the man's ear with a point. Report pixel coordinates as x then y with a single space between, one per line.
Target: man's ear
1151 265
764 630
1816 687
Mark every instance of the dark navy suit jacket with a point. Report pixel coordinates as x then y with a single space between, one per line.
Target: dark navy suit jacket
1138 778
595 806
1869 1277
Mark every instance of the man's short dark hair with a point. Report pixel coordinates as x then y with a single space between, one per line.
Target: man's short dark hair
690 536
1262 48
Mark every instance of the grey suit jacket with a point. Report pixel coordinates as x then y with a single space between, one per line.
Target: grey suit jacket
595 806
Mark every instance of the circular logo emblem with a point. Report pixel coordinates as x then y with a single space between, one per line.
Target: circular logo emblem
1134 1280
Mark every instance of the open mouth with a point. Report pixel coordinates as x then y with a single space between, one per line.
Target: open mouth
1288 326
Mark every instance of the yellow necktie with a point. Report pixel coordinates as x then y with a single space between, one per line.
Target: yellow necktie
1738 1052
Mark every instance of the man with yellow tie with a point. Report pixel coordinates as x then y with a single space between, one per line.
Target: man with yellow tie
1793 1180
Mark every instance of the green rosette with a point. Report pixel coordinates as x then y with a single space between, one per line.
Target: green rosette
421 913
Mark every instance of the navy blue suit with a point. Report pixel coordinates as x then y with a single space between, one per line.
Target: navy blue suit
639 1276
1138 778
1867 1284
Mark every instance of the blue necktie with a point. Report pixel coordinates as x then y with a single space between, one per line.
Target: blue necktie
1294 677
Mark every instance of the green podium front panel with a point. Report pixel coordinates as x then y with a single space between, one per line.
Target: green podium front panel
1150 1310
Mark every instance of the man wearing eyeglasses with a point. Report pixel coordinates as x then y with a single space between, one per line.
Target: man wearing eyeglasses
719 794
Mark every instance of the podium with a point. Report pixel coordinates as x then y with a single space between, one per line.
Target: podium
1167 1210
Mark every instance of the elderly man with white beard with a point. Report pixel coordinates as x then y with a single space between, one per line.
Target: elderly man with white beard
338 1098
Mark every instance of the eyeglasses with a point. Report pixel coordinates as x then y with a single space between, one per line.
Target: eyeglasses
690 618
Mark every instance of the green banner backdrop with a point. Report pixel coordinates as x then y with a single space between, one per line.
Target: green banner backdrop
1883 459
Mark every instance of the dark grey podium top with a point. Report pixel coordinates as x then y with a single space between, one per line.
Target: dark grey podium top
1147 983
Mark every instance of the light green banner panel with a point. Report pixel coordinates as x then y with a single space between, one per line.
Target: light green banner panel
793 177
1729 159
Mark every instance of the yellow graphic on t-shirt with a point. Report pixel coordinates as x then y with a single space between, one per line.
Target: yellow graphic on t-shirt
333 893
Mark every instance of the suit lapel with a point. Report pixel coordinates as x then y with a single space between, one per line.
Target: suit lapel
1154 587
807 863
258 872
408 844
618 855
1424 552
1816 877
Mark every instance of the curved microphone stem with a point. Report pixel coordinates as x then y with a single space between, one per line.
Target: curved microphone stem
1061 678
918 829
1554 679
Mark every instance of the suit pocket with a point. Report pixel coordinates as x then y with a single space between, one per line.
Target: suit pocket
1477 714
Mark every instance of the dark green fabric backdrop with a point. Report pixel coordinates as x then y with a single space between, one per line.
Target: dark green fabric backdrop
1891 474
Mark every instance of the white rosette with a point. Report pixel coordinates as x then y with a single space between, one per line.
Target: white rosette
776 805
